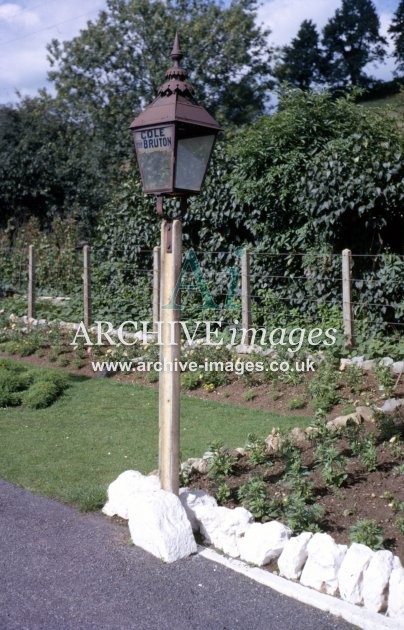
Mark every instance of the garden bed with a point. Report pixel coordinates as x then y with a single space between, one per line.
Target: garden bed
328 481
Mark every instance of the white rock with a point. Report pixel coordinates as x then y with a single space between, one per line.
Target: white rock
350 575
368 365
391 404
398 367
193 502
294 555
264 542
342 421
386 361
123 491
397 563
376 581
323 563
158 524
358 361
396 595
223 528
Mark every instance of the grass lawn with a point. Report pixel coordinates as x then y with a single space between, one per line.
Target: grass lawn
100 427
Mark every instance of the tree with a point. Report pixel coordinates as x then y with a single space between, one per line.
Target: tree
397 31
351 40
302 61
46 169
115 66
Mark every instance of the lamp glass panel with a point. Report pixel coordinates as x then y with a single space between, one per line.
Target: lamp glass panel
192 160
154 148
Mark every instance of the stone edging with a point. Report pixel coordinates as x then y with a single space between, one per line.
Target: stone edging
163 524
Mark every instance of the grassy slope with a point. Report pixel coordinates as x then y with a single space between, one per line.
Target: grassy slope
394 106
100 427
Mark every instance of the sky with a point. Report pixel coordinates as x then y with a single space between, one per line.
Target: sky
26 26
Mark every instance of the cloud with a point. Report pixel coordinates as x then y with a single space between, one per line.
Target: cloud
285 16
24 34
14 15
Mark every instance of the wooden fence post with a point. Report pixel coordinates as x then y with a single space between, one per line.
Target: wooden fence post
87 285
245 294
156 286
31 282
347 311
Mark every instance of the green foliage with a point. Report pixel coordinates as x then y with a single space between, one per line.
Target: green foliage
367 532
40 395
256 450
323 387
385 380
48 167
222 493
253 496
295 479
190 380
302 516
313 175
352 39
364 447
329 460
298 403
222 463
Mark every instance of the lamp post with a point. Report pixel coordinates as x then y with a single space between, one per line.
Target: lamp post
174 138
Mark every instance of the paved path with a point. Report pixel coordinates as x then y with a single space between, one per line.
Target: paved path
62 570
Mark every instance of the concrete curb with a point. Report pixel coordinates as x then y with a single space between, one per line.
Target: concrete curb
356 615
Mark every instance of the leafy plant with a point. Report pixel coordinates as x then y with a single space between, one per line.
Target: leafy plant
367 532
323 387
297 403
222 493
364 447
222 463
384 377
256 450
253 496
301 515
331 464
190 380
249 395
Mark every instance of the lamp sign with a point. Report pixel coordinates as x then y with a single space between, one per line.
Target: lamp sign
151 139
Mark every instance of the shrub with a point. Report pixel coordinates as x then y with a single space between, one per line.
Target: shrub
301 515
222 463
367 532
222 493
253 496
42 394
297 403
9 398
323 387
256 450
190 380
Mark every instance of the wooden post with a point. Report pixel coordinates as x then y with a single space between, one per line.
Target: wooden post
169 384
156 286
31 282
87 286
245 293
347 297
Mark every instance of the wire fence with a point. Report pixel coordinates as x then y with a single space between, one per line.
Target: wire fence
277 285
